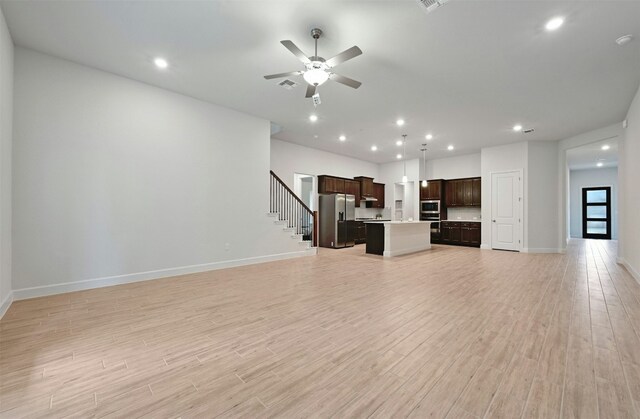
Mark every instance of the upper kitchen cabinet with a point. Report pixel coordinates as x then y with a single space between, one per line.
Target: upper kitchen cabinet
366 185
463 192
476 190
433 190
352 187
378 193
360 187
330 184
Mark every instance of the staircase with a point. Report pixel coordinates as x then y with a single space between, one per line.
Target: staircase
291 213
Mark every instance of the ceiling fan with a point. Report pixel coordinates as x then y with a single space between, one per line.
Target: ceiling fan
317 69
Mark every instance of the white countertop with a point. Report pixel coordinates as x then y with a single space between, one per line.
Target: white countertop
461 221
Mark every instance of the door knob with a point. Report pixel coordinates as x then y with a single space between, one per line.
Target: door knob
493 221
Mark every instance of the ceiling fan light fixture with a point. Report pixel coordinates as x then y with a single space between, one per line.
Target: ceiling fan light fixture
315 76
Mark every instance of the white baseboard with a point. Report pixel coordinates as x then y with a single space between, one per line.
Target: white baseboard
4 306
485 247
25 293
634 273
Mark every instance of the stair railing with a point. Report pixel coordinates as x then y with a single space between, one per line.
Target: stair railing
291 208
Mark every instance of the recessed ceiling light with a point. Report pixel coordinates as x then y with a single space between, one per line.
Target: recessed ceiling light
342 138
606 147
624 40
313 118
554 23
161 63
517 127
600 164
374 148
400 122
398 156
429 136
399 143
450 148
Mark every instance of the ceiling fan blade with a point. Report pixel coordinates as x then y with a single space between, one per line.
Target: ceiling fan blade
344 56
279 75
311 90
296 51
345 80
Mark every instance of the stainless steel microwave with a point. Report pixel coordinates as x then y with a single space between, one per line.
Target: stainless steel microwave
430 207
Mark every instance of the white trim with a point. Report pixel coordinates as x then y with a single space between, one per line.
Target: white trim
485 247
635 274
6 304
25 293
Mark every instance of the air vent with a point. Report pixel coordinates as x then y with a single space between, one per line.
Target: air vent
287 84
528 131
432 5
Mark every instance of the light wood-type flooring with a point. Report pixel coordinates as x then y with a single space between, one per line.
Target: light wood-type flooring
452 332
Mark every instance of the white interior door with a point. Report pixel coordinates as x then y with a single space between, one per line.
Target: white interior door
505 210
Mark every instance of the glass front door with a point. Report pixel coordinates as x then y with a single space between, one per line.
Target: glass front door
596 213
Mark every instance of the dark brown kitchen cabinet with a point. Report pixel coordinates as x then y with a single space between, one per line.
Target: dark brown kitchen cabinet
330 184
366 185
463 192
467 186
433 190
352 187
459 191
460 233
360 235
476 193
378 193
449 195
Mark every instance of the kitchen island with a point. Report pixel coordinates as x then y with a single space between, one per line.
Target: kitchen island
395 238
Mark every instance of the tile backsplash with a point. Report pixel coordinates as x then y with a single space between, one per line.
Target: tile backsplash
463 213
362 212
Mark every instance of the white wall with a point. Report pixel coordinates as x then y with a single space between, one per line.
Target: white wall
629 194
288 158
587 178
391 173
115 177
6 140
501 159
453 167
541 197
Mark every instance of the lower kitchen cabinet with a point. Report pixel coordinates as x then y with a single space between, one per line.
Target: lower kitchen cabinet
460 233
360 235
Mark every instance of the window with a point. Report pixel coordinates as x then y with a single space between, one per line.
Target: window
596 213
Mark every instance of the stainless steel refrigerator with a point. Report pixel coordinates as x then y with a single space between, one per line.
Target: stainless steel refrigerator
337 220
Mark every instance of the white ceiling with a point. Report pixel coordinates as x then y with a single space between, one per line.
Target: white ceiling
466 72
589 155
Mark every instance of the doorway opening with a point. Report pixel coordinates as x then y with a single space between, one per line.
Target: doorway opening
596 213
592 207
304 187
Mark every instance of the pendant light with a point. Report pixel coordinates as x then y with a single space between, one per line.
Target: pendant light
404 156
424 164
